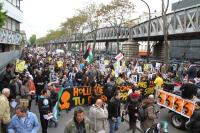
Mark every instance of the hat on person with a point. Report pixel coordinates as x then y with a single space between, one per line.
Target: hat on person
135 95
164 126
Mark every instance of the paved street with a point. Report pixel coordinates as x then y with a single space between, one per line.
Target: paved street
65 117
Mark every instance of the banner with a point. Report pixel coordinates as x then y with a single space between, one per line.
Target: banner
176 103
78 96
20 66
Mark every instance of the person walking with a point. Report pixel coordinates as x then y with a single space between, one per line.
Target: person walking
99 114
194 123
150 112
23 122
132 110
79 124
114 112
44 109
4 110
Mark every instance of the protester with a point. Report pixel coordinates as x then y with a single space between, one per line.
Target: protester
191 72
132 109
24 122
189 90
114 111
194 122
79 124
99 115
6 76
44 109
150 112
158 81
39 84
4 110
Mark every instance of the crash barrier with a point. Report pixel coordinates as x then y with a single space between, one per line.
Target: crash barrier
175 103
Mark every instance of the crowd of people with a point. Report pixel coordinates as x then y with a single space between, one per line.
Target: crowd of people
44 68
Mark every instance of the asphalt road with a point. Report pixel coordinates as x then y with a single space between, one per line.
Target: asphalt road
66 116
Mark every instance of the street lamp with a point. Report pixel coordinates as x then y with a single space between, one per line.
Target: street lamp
149 28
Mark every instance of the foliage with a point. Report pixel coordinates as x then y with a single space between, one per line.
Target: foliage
32 39
91 12
2 16
74 24
117 12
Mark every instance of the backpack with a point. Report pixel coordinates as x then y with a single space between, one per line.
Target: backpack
142 114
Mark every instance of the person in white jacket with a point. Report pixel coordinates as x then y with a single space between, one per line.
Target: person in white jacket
99 114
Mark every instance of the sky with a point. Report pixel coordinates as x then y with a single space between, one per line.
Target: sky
40 16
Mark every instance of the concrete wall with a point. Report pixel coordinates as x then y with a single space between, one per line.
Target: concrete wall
7 57
186 49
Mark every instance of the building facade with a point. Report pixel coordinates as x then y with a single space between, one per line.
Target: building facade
10 36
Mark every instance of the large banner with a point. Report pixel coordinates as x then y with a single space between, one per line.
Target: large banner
78 96
176 103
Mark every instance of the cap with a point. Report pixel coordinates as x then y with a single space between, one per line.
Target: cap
164 126
135 95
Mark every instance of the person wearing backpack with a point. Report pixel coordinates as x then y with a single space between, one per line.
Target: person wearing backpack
132 109
150 111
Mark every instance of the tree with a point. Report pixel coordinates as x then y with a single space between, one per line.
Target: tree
116 13
74 23
2 16
93 20
32 39
165 30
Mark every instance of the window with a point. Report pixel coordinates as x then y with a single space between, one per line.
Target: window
13 25
9 24
17 25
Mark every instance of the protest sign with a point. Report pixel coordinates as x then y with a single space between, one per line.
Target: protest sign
59 63
20 66
124 92
176 103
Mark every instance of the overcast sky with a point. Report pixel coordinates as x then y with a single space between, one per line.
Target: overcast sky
39 16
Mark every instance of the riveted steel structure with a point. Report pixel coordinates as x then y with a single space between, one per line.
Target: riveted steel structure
182 24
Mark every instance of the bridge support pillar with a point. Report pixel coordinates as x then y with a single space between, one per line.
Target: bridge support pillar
107 46
158 50
130 49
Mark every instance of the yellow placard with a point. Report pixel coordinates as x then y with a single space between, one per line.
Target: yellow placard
60 63
20 66
106 62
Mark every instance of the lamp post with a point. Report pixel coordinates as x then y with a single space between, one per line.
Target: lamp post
149 28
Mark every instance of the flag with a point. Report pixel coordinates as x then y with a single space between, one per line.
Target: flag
119 56
88 55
